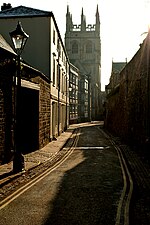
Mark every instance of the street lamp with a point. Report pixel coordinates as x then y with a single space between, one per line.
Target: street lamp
19 39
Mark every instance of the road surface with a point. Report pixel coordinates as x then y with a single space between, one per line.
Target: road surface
85 188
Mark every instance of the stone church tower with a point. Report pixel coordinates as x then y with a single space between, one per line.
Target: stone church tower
83 46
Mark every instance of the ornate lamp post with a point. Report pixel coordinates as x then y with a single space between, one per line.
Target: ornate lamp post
19 39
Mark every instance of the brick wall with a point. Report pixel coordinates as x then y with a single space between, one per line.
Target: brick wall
5 112
2 122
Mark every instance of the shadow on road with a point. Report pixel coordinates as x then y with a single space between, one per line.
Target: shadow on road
90 191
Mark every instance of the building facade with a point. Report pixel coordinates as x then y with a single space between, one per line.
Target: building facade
83 46
33 120
45 51
74 95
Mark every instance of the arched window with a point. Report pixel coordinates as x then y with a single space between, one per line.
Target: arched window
75 47
89 47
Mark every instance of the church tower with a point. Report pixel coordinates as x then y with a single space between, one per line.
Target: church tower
83 46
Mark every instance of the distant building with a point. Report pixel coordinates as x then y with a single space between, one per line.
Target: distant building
74 95
115 76
83 46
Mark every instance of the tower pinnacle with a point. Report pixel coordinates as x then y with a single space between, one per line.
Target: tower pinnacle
83 21
97 20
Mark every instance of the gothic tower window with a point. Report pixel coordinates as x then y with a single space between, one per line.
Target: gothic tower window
75 47
89 47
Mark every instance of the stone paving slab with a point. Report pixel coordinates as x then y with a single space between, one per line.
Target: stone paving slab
39 156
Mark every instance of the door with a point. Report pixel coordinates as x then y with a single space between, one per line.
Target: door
28 120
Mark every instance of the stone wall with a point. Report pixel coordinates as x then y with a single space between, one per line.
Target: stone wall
44 111
128 105
44 103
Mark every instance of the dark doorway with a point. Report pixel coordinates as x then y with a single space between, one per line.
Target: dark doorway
28 120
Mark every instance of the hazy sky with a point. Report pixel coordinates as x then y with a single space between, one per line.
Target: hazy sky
122 24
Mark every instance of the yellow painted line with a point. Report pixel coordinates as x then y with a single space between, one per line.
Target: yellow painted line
24 188
127 203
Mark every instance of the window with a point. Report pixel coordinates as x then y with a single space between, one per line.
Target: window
62 56
62 84
58 75
75 48
54 37
89 47
53 70
58 47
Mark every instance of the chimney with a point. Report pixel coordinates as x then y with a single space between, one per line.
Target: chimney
6 6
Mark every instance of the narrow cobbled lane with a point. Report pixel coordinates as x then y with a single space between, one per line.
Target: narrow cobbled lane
85 189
